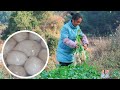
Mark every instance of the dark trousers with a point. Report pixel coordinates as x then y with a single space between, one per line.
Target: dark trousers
64 64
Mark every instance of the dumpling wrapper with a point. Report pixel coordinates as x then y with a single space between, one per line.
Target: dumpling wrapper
33 65
10 44
21 36
16 58
34 37
18 70
43 55
29 47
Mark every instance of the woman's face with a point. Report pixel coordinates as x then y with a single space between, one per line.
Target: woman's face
77 22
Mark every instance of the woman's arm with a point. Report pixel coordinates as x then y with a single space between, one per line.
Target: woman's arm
66 40
84 37
85 40
70 43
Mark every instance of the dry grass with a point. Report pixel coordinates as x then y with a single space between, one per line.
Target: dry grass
106 52
99 46
51 63
99 51
1 44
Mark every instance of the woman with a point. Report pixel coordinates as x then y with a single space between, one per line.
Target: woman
67 43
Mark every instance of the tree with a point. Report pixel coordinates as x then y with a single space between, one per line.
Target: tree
4 16
20 20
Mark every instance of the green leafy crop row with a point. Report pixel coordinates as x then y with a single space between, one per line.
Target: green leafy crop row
84 71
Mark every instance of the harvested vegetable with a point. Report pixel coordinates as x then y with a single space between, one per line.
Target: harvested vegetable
79 53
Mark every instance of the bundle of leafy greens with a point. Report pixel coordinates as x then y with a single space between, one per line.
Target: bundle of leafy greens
80 52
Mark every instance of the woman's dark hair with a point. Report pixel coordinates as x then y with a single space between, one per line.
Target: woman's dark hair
76 16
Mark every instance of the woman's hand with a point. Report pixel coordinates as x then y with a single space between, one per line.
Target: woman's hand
85 46
76 44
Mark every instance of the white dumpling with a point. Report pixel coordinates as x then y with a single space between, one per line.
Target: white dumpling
43 55
34 37
21 36
4 56
33 65
16 58
10 44
5 62
29 47
18 70
43 44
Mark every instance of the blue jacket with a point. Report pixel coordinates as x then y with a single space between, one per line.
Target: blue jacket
64 53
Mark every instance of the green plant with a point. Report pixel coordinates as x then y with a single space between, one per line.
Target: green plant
80 50
115 74
3 76
84 71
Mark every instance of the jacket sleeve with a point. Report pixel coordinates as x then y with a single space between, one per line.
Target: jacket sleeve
84 38
65 39
69 43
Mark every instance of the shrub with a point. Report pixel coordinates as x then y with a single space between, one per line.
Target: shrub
52 43
20 20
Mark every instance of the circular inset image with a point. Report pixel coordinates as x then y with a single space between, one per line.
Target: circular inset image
25 54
